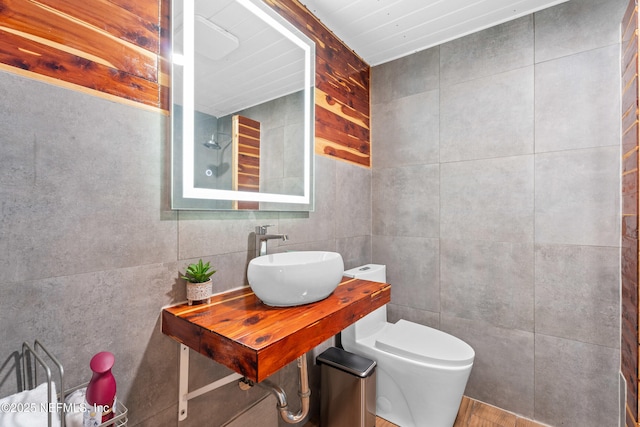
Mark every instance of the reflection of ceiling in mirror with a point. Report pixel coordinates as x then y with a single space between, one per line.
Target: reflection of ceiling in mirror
250 62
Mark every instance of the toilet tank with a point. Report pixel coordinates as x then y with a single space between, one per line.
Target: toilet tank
372 272
375 320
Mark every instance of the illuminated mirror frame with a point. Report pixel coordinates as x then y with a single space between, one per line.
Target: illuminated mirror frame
189 190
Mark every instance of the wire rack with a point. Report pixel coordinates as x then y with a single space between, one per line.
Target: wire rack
35 361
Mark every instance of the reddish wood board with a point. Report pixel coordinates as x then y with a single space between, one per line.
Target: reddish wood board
240 332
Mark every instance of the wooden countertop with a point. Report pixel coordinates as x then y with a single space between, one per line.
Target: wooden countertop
237 330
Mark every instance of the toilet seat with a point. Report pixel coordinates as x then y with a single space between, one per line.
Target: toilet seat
421 343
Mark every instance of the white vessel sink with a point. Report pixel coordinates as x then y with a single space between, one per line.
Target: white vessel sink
295 278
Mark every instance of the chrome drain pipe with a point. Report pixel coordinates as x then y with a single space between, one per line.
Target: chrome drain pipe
281 396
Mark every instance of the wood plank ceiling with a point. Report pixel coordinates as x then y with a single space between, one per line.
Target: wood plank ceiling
241 62
382 31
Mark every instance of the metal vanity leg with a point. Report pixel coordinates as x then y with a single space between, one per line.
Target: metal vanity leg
183 387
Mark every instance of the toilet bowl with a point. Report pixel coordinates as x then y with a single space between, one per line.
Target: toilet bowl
421 372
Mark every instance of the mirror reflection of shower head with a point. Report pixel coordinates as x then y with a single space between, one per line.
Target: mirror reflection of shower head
212 143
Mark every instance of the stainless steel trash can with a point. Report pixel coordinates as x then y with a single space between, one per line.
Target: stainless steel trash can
347 389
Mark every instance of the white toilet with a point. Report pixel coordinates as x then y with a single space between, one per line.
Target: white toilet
421 371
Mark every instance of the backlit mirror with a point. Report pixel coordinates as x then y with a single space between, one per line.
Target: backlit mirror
242 86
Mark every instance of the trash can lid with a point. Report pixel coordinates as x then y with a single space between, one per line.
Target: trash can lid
347 362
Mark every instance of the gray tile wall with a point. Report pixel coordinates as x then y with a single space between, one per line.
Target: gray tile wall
496 205
90 251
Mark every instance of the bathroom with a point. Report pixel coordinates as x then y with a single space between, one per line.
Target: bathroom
510 241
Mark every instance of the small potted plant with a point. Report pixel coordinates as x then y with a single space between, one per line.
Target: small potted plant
199 283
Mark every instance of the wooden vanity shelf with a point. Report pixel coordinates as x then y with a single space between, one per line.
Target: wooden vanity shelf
255 340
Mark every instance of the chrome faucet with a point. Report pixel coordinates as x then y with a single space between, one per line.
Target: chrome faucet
262 237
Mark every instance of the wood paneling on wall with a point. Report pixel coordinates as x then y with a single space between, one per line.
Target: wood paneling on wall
119 48
629 227
111 47
246 159
342 89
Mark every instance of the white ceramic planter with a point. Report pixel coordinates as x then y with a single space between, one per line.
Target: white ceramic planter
199 291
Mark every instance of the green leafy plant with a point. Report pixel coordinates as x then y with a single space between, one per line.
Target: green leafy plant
198 273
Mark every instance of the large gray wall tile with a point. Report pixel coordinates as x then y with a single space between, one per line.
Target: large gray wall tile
487 199
504 47
320 224
352 213
116 310
412 267
578 102
577 26
272 158
576 197
406 202
82 199
396 312
503 369
488 281
355 251
405 131
209 233
231 271
260 414
420 73
577 293
575 383
488 117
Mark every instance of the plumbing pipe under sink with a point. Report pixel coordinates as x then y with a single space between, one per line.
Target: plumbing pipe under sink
281 396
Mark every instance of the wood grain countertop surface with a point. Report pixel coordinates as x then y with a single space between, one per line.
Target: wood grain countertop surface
240 332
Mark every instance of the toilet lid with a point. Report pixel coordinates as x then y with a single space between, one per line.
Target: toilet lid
419 342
